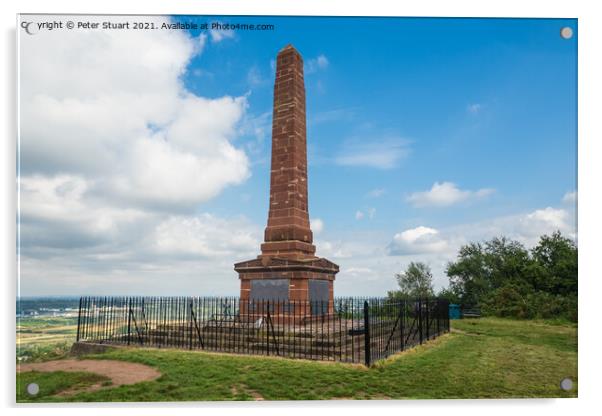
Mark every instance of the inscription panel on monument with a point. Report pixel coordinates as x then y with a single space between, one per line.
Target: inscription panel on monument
319 295
265 290
269 289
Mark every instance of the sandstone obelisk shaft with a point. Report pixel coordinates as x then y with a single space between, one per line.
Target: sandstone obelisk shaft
288 232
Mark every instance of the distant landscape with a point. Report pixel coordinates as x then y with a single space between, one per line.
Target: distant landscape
46 327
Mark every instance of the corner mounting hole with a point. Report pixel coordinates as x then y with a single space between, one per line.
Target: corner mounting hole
33 389
566 32
566 384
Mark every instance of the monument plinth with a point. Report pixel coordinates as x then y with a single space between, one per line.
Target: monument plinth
288 268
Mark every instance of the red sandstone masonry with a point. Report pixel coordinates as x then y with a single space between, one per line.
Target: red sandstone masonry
288 252
288 217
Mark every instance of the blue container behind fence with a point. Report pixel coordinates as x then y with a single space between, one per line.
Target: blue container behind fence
454 311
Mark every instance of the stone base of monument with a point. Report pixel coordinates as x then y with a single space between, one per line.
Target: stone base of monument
292 320
326 338
295 290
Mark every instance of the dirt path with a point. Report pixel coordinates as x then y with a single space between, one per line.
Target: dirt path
120 372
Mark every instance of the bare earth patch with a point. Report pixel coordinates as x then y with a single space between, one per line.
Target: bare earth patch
256 396
120 372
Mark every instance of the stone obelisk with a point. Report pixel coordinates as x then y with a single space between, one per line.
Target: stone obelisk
287 268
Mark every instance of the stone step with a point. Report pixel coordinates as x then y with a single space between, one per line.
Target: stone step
181 338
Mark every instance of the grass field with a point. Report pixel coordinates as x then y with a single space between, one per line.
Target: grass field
43 338
484 358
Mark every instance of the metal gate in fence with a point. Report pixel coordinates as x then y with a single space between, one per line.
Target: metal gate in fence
360 330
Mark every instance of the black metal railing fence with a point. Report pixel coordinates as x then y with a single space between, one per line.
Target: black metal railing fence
360 330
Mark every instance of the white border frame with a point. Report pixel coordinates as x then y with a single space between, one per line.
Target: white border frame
589 170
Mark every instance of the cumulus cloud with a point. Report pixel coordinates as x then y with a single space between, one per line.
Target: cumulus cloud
316 64
369 259
570 197
255 78
110 105
445 194
526 228
219 33
67 230
116 158
317 225
416 241
474 108
359 215
379 154
335 249
204 235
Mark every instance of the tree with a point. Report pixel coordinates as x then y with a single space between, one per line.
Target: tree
449 294
557 256
468 275
505 279
483 268
416 281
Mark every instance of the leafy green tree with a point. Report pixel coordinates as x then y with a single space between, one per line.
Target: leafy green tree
505 279
450 295
557 256
416 281
468 275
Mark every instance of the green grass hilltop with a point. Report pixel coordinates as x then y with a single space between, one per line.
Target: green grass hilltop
481 358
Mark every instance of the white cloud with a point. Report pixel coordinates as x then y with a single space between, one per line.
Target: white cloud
370 212
570 197
322 62
380 154
201 42
416 241
218 35
254 77
114 111
445 194
474 108
317 225
333 249
116 156
357 271
205 235
544 221
67 231
376 193
316 64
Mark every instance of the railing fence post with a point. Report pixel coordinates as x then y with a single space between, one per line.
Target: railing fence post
428 320
190 327
367 355
79 318
268 328
401 322
420 320
129 318
438 317
447 316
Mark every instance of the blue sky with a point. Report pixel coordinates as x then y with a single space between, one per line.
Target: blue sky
483 103
423 134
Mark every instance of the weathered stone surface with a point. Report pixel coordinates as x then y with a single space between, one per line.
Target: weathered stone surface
85 348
